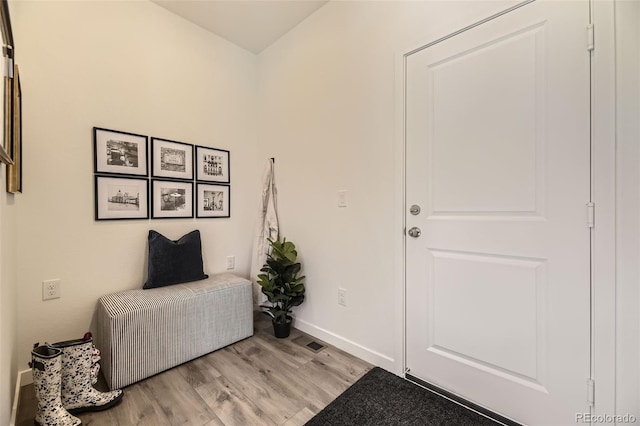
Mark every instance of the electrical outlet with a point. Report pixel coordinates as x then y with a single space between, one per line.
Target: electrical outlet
231 262
342 296
51 289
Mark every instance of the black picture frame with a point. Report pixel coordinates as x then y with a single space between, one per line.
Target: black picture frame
114 199
120 153
171 199
171 159
213 200
213 165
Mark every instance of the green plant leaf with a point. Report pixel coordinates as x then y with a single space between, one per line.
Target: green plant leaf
279 280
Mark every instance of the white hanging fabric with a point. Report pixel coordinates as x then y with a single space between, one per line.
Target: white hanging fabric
266 227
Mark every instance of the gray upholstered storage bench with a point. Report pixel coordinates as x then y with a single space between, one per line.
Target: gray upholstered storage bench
143 332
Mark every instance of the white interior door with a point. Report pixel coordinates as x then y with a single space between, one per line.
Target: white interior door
498 146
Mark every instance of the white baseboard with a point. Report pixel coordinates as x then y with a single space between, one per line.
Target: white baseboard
22 376
347 345
26 377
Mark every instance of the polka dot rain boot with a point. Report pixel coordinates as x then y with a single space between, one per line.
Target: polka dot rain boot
78 394
46 366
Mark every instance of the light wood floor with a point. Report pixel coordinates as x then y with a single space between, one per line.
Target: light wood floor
258 381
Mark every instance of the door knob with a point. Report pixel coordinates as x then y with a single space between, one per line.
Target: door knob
414 232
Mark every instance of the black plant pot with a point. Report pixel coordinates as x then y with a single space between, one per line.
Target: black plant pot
283 330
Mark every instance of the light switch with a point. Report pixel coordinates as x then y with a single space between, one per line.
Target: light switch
342 198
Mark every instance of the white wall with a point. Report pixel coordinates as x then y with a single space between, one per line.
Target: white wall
326 109
9 349
628 206
327 94
327 99
8 301
131 66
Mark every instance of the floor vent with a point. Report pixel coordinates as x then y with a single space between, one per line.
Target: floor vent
315 346
310 343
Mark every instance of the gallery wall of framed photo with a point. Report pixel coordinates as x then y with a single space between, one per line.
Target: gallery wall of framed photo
183 179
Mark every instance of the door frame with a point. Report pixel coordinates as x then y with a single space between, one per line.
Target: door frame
603 172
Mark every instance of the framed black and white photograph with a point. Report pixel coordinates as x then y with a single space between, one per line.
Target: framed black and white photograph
171 159
118 152
213 200
212 165
121 198
171 199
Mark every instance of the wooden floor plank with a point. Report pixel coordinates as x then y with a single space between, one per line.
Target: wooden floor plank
27 399
286 348
257 381
138 407
301 417
292 355
231 405
179 401
215 422
290 381
198 372
347 366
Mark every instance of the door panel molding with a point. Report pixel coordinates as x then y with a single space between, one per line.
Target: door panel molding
603 192
474 231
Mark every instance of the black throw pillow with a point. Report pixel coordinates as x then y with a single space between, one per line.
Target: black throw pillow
174 262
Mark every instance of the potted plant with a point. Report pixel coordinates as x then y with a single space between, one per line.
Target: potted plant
281 284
